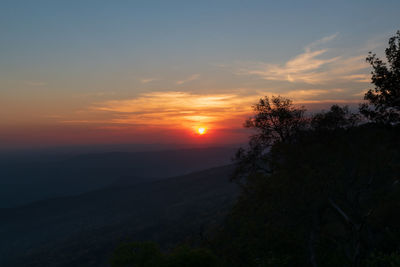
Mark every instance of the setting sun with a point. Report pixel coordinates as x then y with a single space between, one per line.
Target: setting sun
201 130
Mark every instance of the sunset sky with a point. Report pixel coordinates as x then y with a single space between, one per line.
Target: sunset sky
103 72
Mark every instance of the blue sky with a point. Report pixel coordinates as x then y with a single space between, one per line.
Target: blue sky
73 64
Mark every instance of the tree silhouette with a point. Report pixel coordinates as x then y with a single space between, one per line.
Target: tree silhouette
384 100
336 118
276 119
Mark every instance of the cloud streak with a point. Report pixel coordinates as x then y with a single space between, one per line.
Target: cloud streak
313 66
175 108
188 110
189 79
147 80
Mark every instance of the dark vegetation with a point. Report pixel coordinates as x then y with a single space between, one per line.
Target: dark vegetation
315 191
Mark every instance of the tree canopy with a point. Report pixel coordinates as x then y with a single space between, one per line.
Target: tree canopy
384 100
276 119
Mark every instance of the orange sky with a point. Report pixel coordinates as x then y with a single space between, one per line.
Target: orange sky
74 73
157 117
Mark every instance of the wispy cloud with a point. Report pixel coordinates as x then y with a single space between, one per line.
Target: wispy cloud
313 66
189 79
174 108
148 80
184 109
321 41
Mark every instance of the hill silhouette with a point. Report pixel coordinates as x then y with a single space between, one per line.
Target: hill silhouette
82 230
32 178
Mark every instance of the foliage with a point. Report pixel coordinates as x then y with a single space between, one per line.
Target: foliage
325 195
336 118
148 254
324 187
384 100
383 260
185 256
276 119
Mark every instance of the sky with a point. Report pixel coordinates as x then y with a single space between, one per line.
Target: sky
104 72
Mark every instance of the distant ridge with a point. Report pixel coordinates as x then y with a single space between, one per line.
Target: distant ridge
81 230
35 178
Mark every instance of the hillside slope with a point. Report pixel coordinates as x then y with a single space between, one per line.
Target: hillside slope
82 230
33 178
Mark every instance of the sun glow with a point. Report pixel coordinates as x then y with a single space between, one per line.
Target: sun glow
201 130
